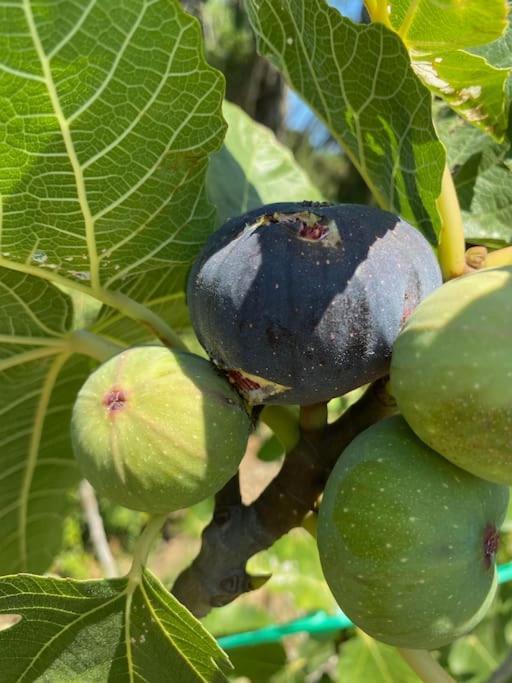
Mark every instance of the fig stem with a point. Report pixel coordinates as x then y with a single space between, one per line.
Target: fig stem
452 246
143 546
491 259
310 523
499 257
93 345
427 668
313 418
283 423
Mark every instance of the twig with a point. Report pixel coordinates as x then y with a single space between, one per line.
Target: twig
218 575
97 530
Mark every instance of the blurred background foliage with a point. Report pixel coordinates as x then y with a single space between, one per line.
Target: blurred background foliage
296 587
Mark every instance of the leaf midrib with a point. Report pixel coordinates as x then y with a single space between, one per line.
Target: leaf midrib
69 145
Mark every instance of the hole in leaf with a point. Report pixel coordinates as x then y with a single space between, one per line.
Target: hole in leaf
9 620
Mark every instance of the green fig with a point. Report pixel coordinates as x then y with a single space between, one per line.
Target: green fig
158 430
407 540
451 373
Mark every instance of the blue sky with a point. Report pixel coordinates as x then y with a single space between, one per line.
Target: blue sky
298 114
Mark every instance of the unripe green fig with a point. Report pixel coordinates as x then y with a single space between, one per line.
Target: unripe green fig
407 540
158 430
451 373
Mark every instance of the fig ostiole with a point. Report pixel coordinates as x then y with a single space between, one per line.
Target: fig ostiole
451 373
407 540
301 302
158 430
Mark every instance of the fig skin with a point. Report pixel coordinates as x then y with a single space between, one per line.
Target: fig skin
407 540
451 373
158 430
301 302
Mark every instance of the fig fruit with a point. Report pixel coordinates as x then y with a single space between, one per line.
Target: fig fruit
301 302
158 430
451 373
407 540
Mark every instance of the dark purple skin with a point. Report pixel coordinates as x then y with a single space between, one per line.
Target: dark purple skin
309 314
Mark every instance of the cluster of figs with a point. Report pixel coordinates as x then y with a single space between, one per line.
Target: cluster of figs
299 303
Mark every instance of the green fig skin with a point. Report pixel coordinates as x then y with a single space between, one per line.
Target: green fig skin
407 540
451 373
158 430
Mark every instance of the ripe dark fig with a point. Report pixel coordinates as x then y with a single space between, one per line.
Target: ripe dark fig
451 373
158 430
407 540
302 302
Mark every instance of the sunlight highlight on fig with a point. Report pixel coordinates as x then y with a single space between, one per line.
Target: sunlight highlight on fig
158 430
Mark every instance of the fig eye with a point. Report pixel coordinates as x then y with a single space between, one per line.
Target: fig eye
115 400
395 526
180 441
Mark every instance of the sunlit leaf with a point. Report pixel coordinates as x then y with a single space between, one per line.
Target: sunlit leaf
103 630
438 35
359 81
108 115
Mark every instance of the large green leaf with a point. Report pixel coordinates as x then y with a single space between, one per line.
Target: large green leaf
103 631
482 171
253 168
499 53
363 659
470 85
438 37
439 25
360 82
39 380
108 113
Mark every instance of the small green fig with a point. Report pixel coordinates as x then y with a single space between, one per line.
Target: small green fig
407 540
451 373
158 430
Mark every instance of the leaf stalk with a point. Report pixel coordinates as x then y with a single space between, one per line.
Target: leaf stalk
93 345
452 245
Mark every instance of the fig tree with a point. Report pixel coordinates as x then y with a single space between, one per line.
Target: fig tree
408 540
158 430
451 373
302 302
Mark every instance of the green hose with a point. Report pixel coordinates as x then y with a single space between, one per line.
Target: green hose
318 622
